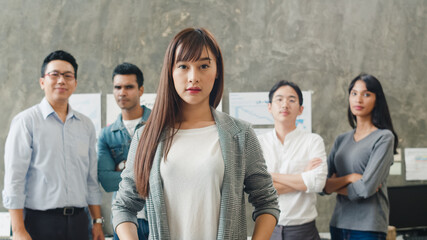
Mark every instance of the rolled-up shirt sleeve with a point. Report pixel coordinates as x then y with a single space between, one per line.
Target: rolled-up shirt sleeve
315 179
94 193
376 171
17 158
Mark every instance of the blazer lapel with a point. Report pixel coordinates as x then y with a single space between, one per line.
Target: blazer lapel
157 194
227 129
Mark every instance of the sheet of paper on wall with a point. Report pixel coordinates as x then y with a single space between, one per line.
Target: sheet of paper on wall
398 156
396 168
90 105
4 225
252 107
416 163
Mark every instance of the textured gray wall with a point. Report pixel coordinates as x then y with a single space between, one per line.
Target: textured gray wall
321 45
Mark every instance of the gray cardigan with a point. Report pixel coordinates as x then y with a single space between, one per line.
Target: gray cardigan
244 171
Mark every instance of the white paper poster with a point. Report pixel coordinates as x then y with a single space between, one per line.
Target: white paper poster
396 168
416 163
261 131
90 105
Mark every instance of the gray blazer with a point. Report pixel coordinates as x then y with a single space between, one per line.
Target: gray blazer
244 171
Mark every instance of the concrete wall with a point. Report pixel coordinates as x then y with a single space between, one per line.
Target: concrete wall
321 45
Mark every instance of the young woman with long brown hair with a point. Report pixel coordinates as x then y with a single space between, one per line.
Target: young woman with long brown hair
190 165
359 164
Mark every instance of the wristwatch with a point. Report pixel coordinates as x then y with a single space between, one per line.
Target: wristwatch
98 220
121 165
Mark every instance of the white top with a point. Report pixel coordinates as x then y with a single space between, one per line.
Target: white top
192 179
291 158
131 125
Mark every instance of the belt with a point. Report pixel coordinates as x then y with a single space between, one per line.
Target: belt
66 211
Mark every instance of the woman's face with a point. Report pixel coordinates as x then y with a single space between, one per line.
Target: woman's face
194 80
362 101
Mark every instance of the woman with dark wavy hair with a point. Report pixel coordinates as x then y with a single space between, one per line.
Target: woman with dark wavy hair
359 164
190 165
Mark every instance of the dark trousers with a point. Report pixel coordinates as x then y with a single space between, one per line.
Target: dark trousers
307 231
54 224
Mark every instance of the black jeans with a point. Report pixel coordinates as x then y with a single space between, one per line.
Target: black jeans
53 224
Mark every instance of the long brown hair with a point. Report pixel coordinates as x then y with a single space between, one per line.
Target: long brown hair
167 107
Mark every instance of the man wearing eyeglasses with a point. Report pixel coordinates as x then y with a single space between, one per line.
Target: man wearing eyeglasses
50 162
296 160
114 140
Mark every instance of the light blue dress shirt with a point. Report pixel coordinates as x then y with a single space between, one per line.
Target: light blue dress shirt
49 163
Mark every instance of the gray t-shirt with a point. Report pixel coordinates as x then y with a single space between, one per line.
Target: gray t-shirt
364 209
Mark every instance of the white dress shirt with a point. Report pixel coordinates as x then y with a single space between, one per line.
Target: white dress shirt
292 157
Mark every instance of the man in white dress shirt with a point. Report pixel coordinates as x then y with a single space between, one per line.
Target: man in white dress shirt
296 160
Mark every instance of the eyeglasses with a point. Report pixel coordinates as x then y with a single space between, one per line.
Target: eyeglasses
54 75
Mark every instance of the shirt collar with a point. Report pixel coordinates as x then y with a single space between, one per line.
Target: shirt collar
146 113
118 124
288 137
47 110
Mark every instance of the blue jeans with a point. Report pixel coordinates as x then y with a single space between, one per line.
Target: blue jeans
347 234
142 230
